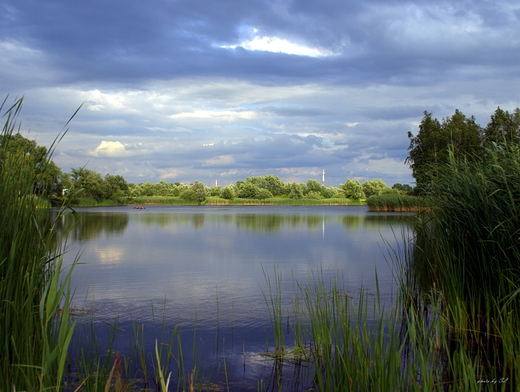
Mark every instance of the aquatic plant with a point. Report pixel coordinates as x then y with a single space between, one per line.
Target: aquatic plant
395 203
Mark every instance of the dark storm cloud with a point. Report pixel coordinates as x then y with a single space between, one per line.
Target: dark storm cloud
127 42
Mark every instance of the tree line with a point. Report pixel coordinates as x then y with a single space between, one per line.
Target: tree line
428 151
91 184
52 183
460 136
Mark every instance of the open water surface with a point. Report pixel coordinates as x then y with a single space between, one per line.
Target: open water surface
205 270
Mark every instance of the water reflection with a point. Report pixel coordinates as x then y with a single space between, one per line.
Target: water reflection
206 266
92 223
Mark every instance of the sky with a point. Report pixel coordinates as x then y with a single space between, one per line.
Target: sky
218 91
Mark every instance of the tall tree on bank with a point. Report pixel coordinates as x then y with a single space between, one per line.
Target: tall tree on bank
47 175
504 128
428 149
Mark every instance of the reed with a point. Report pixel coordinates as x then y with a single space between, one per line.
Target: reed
344 345
467 252
470 238
273 301
34 297
415 344
395 203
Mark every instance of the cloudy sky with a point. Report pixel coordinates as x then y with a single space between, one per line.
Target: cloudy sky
219 90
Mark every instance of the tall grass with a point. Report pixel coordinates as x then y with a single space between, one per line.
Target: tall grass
345 344
395 203
470 240
35 327
468 252
358 344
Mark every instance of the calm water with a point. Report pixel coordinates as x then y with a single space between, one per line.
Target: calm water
204 269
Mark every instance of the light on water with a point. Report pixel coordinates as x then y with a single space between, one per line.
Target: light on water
204 269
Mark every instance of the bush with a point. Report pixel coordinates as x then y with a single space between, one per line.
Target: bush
248 190
189 195
352 190
263 194
200 191
228 192
373 187
313 195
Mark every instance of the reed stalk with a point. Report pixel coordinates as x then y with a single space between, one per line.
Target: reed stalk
34 297
273 301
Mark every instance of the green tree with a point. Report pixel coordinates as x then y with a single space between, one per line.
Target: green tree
248 190
263 194
228 192
463 134
47 175
313 195
503 128
330 192
274 185
402 188
175 190
428 150
270 182
146 189
189 195
296 191
90 182
352 189
200 190
214 190
162 188
313 186
116 187
373 187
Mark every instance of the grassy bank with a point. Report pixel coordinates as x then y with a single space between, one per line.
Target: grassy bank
279 201
213 200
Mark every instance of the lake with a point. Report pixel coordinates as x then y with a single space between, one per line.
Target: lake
205 270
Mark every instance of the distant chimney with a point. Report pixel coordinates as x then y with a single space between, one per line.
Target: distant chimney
323 177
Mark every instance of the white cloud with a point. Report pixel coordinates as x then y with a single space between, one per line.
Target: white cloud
109 149
227 115
278 45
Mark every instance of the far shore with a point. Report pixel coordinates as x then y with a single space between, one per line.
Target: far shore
383 203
